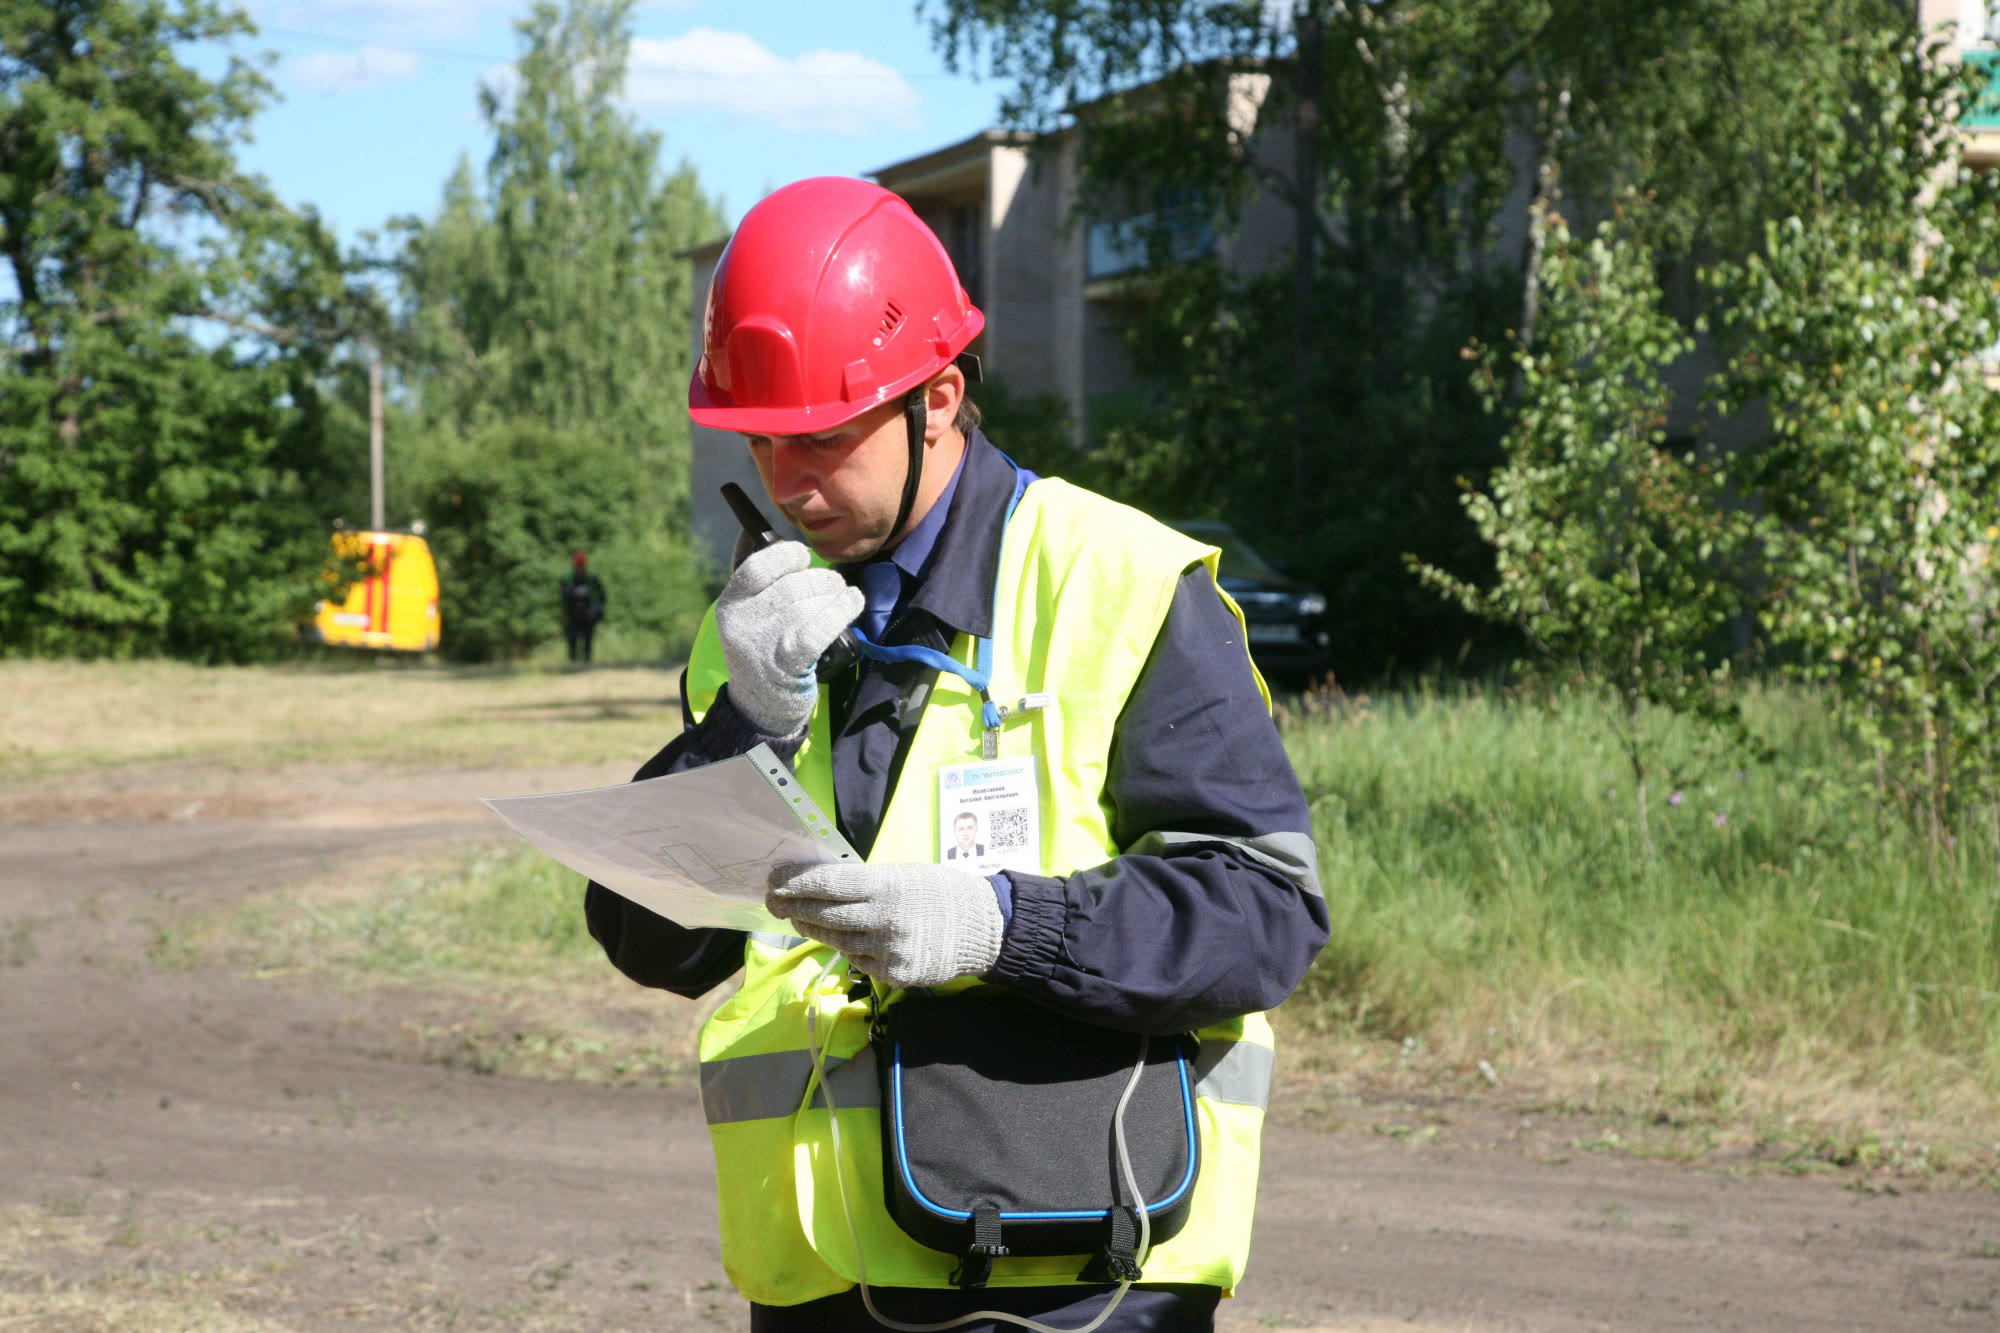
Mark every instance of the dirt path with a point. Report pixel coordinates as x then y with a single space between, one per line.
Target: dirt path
196 1135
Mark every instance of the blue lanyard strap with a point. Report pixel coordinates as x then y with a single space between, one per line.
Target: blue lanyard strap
980 675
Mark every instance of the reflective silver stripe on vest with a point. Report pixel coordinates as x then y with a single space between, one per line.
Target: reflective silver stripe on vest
1290 854
1238 1072
763 1087
782 943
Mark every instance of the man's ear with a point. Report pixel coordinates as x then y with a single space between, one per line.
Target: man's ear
941 402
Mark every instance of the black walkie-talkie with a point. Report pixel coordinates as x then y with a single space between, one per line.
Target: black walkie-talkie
842 652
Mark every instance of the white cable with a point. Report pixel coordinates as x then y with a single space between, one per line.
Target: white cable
818 1080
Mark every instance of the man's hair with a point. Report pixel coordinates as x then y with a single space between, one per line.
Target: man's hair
968 418
964 815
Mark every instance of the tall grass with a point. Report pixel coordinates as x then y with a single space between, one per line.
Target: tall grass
1489 888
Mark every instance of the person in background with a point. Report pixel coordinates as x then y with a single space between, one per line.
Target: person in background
582 607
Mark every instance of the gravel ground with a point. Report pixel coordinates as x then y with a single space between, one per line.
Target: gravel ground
185 1149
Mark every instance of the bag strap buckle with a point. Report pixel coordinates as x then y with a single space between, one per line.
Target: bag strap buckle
977 1266
1118 1261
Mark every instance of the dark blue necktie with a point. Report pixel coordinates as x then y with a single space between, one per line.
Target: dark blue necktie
881 585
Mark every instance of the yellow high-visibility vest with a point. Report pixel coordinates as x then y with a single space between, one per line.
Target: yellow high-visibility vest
1084 587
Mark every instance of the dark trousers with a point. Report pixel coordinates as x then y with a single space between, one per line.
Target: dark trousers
1148 1309
579 634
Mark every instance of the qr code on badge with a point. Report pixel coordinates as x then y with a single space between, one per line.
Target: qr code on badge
1008 829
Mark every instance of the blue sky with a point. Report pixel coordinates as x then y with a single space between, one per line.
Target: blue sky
380 97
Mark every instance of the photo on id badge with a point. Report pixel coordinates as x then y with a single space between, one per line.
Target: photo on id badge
989 816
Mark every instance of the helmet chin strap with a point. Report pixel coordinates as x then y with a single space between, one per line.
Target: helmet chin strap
916 416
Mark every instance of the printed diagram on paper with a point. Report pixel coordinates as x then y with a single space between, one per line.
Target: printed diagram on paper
743 879
695 847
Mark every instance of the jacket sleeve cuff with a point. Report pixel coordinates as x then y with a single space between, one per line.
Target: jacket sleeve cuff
1003 891
725 733
1032 945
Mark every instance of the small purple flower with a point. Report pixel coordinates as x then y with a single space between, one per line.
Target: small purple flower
1951 840
1721 820
1675 799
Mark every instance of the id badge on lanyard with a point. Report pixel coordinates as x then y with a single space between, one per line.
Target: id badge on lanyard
990 810
990 815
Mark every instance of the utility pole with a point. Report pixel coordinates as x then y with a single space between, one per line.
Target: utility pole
377 507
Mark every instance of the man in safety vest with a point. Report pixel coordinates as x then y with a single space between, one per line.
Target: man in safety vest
1158 875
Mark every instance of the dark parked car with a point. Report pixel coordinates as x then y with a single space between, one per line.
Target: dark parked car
1286 618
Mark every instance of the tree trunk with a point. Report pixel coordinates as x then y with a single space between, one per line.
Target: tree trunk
1305 254
1548 173
377 508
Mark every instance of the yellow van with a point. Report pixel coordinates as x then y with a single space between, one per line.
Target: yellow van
393 608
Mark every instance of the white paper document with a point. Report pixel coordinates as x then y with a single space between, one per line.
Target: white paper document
695 847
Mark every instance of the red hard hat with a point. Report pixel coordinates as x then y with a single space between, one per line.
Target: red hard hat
832 297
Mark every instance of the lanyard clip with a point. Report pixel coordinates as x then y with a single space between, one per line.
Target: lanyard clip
993 716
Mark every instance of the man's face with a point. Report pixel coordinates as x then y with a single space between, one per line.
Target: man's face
965 826
840 489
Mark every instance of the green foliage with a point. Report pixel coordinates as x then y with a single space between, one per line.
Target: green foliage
505 508
1860 327
1218 445
155 487
555 294
547 308
1033 429
1321 406
1618 558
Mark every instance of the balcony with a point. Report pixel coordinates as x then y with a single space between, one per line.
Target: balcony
1982 114
1979 121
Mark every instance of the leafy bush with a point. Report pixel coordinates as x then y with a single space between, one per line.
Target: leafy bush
507 505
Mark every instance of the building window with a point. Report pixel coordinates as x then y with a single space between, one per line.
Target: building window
1126 244
964 234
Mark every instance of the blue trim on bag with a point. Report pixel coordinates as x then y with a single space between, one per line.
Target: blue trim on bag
909 1183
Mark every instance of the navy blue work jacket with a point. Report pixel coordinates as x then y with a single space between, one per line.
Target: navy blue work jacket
1214 910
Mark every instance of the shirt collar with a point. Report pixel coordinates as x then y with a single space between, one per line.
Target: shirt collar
957 559
957 587
914 551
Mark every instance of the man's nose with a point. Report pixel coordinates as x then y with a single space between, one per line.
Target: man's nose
792 476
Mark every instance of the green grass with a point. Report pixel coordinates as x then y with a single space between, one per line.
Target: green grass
487 918
1491 897
1784 958
59 717
488 957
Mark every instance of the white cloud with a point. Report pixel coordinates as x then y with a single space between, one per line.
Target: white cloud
732 72
350 71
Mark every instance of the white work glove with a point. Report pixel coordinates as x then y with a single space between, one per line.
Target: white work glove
775 617
907 925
